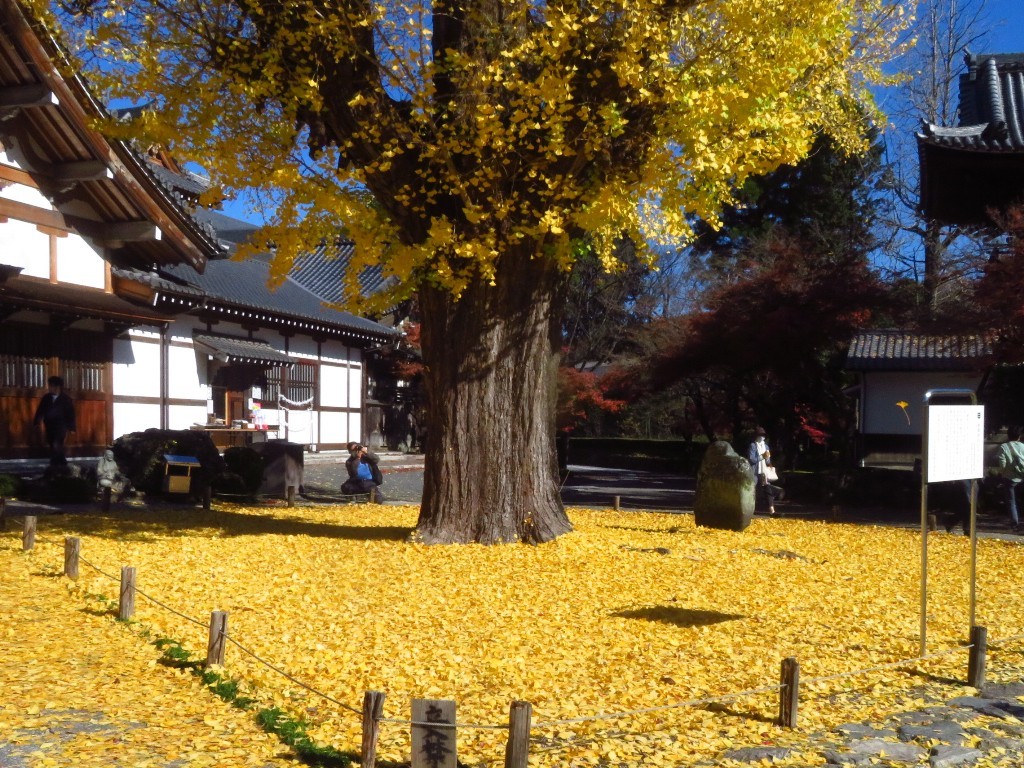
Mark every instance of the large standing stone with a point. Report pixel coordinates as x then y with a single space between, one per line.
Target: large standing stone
725 489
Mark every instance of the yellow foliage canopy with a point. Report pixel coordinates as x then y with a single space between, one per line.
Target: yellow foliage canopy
443 135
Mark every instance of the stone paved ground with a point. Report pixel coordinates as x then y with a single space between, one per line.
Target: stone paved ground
961 731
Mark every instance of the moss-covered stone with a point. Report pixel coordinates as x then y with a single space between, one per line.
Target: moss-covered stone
725 489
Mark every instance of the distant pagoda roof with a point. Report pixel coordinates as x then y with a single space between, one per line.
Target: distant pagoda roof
978 164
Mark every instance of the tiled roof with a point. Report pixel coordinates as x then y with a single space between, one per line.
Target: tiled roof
323 271
230 349
230 230
897 350
184 183
991 107
244 283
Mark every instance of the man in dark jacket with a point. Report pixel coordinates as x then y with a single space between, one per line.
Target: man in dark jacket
56 412
364 476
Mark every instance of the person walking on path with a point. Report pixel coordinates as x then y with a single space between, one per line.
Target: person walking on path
56 412
1010 461
759 457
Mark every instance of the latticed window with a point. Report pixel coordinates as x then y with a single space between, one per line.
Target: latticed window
301 379
300 384
30 354
81 376
18 371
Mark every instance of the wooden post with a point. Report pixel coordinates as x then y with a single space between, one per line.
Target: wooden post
373 709
933 523
373 495
72 549
207 495
976 658
290 495
789 695
433 734
126 604
837 513
517 751
616 503
28 533
107 493
218 638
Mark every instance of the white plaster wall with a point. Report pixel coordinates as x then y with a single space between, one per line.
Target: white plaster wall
183 377
355 425
79 263
335 352
882 390
299 346
25 194
22 245
301 426
135 417
355 386
137 367
184 416
334 389
334 428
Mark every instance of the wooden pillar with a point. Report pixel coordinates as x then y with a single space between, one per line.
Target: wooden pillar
976 658
616 503
107 493
373 710
72 550
789 694
28 533
290 495
126 603
517 751
218 638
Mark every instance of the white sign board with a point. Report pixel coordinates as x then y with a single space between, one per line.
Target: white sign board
956 443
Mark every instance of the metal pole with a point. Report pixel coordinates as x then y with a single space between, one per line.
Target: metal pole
974 549
968 393
924 539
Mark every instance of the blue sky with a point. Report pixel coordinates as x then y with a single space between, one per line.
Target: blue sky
1007 17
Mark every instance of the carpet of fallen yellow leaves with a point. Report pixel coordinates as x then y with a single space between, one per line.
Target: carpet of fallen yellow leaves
80 690
632 612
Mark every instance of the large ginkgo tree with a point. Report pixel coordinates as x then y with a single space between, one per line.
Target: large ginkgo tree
476 148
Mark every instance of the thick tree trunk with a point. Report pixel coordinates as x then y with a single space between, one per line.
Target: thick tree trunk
491 359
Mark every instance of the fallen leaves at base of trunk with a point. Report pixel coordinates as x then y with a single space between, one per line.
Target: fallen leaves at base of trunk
633 612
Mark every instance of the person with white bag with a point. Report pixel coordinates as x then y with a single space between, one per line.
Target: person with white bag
760 458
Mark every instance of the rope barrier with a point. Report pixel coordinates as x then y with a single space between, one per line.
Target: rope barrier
398 721
882 667
234 642
284 674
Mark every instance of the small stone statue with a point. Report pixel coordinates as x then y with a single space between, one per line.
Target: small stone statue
108 475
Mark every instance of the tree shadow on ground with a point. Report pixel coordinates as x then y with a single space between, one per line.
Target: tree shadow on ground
680 617
141 524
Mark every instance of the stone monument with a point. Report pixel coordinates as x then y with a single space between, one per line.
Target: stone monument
725 489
